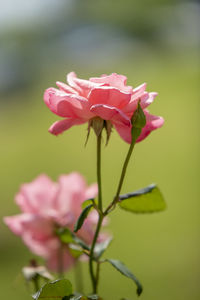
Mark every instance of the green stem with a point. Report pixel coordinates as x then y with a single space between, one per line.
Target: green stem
99 172
92 274
123 173
100 220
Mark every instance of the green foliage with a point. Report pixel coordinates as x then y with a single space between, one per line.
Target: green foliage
87 202
82 217
58 289
146 200
119 266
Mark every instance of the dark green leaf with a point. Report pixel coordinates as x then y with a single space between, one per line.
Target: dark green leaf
146 200
101 247
57 289
82 217
81 243
119 266
87 202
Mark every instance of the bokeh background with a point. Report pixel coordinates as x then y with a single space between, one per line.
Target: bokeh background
149 41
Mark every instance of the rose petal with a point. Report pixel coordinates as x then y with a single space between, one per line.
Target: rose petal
110 96
80 85
113 114
60 126
114 80
66 105
152 123
124 132
37 196
66 88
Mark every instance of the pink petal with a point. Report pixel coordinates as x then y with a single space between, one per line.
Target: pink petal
152 123
60 126
41 248
80 85
71 194
66 105
66 88
114 80
67 260
91 191
137 94
147 99
37 196
111 113
109 96
124 132
15 223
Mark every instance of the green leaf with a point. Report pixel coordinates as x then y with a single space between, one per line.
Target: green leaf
101 247
65 235
75 250
119 266
68 237
57 289
82 217
87 202
146 200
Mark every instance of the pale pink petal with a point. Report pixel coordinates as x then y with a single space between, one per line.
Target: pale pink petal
91 191
67 260
62 125
41 248
71 194
66 105
114 80
36 196
152 123
115 115
15 223
110 96
147 99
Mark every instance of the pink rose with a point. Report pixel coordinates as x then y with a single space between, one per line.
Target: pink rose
47 205
107 97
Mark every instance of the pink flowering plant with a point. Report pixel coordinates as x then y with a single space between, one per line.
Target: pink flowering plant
62 221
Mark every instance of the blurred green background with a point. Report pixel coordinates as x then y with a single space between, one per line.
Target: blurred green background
148 41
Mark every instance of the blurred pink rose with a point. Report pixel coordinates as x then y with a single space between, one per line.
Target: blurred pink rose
47 205
107 97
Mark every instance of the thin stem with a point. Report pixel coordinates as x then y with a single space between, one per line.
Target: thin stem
91 267
123 173
92 274
99 172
